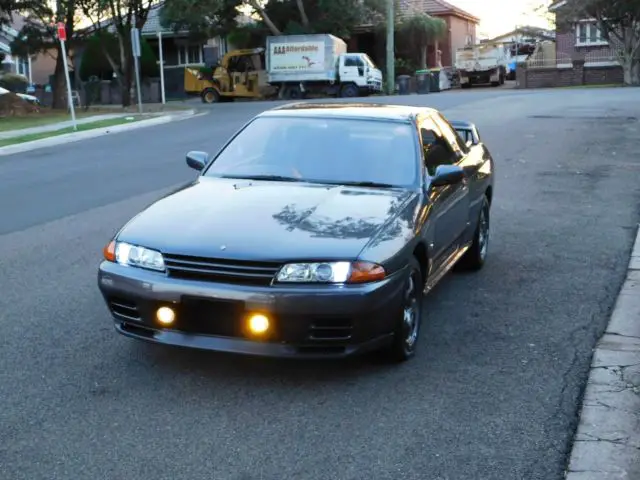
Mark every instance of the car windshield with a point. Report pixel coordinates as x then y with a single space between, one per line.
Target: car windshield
322 150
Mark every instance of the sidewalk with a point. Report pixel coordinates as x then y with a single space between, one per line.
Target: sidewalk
607 442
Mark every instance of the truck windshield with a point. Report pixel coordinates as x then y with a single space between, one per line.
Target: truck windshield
368 61
322 150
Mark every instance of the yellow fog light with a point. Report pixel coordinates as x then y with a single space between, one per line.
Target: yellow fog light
258 323
165 315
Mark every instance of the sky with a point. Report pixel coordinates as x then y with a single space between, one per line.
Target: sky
502 16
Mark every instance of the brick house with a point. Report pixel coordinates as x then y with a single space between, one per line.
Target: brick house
581 56
461 27
11 63
580 39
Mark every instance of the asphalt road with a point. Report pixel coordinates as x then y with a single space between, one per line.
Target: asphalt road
492 393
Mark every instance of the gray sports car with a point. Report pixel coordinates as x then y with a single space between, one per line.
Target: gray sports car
314 232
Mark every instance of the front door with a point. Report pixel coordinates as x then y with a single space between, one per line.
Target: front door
450 203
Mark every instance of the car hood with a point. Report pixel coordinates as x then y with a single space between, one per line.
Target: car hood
259 220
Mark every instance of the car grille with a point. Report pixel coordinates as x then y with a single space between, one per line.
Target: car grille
220 270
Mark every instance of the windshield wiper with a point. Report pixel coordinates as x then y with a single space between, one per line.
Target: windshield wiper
369 184
276 178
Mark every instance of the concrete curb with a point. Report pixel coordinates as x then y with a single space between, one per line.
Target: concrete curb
607 442
96 132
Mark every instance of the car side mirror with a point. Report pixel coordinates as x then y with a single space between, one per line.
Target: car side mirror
469 143
197 160
447 175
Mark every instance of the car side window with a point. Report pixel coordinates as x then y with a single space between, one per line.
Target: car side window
436 148
457 144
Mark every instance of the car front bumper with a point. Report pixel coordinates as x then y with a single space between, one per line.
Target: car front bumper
321 321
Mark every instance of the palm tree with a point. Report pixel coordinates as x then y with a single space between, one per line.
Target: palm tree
420 30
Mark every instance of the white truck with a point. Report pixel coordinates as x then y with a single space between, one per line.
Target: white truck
482 64
319 64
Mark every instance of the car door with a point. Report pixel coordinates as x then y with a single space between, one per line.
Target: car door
449 203
472 159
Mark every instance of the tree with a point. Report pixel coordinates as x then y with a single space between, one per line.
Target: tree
420 30
118 17
619 24
39 35
274 17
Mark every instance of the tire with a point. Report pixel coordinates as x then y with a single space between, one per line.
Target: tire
465 85
349 91
407 330
293 93
210 95
475 257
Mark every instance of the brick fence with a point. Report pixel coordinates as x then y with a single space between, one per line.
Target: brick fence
541 77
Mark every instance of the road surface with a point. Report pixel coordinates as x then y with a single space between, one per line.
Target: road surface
492 393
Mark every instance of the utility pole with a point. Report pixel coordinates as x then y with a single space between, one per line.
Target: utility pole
391 59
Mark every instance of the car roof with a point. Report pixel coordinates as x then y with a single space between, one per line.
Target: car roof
397 113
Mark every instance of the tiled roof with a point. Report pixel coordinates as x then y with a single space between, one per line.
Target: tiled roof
435 7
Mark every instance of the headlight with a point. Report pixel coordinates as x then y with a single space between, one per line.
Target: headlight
330 272
136 256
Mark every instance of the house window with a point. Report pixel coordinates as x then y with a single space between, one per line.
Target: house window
22 67
588 33
190 54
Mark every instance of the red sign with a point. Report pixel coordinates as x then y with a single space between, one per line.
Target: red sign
62 32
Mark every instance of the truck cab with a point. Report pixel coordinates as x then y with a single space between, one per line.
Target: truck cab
359 69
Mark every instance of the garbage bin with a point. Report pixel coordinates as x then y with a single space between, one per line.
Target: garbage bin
435 80
403 84
423 79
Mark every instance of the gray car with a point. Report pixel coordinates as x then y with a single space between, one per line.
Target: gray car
314 232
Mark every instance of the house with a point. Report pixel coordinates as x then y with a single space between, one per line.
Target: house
580 55
10 63
461 27
580 38
525 35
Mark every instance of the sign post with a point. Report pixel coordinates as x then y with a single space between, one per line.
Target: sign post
62 37
135 47
164 100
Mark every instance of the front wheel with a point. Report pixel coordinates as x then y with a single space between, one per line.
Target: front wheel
210 95
349 91
475 257
409 320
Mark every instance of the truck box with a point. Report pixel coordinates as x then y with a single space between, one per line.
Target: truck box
303 58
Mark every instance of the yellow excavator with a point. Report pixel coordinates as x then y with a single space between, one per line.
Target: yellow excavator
240 74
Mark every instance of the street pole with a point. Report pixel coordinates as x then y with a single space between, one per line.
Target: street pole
161 67
391 73
62 36
135 47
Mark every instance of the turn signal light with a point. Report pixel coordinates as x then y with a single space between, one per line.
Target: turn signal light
363 272
109 251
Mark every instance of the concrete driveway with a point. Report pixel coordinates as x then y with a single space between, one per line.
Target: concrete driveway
492 393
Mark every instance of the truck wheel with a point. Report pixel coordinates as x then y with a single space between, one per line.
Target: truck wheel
349 91
465 85
293 93
210 95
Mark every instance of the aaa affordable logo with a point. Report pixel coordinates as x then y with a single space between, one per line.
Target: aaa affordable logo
284 49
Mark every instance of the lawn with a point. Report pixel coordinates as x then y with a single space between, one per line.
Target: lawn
81 128
47 117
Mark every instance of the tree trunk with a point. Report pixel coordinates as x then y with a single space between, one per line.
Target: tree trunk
631 70
267 21
303 14
60 85
423 57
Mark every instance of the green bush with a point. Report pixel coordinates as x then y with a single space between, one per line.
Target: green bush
95 63
14 83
